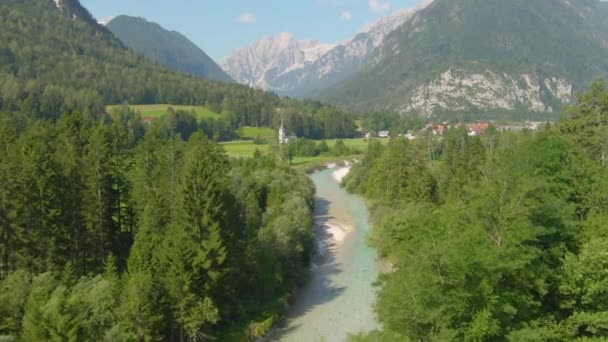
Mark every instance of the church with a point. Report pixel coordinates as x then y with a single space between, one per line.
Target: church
283 137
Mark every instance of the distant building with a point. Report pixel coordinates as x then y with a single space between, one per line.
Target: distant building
283 137
534 125
148 119
511 128
477 129
383 134
440 129
291 137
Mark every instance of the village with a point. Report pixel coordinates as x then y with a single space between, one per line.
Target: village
473 129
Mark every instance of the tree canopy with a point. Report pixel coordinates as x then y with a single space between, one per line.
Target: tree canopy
493 238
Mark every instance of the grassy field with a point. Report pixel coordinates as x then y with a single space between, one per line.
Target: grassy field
158 110
253 132
245 149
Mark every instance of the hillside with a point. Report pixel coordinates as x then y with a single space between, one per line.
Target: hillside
168 48
484 56
55 58
344 60
303 68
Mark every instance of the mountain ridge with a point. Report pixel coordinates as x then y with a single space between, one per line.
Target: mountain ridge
334 65
169 48
483 55
270 57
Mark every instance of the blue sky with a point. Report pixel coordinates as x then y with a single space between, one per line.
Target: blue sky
220 26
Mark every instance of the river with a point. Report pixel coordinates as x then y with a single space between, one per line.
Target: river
339 298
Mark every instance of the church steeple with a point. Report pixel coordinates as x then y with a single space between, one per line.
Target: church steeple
282 134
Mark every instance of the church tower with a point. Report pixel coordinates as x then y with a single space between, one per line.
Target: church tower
282 135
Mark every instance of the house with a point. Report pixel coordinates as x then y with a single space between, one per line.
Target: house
477 129
410 136
440 129
148 119
534 126
383 134
291 137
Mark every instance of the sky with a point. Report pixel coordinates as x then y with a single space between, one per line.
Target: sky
221 26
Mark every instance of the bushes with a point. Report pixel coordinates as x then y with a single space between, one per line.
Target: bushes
307 148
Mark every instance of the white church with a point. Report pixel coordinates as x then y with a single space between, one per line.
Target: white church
283 137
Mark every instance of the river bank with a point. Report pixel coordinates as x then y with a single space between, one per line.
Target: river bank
339 298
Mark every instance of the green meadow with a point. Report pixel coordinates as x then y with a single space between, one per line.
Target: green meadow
246 149
158 110
265 133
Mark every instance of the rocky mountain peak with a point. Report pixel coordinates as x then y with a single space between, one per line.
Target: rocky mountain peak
385 25
299 67
272 56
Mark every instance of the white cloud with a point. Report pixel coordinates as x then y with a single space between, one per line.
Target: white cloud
247 18
378 7
346 15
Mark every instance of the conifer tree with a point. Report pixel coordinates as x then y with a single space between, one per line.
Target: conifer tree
71 139
44 239
195 253
98 195
8 172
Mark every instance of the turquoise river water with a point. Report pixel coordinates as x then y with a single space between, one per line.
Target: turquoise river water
339 298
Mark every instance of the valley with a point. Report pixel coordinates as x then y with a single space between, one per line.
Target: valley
311 171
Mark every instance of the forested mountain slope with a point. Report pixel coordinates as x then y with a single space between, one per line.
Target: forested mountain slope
169 48
501 237
112 229
55 58
484 56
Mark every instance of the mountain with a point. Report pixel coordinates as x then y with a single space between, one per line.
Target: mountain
74 10
344 60
55 58
168 48
473 56
269 58
279 63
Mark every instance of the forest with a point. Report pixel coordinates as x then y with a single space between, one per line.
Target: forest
494 238
118 233
115 230
64 62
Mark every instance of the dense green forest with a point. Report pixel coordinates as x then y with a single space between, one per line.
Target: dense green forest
56 61
494 238
113 232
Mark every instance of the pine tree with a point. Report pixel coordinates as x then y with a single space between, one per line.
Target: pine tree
141 307
8 171
98 195
44 239
195 253
71 139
